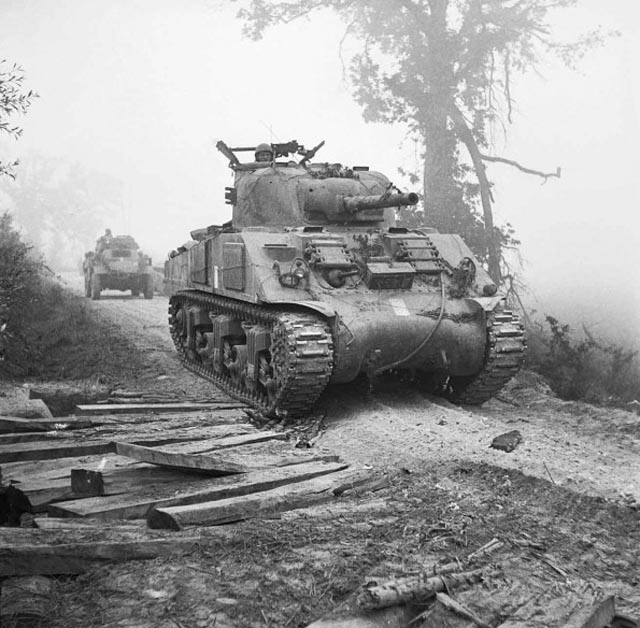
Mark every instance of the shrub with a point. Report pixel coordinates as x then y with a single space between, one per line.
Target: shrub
20 277
583 368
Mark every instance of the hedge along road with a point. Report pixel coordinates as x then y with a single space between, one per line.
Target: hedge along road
583 448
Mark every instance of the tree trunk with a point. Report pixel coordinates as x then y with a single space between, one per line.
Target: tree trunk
440 191
466 137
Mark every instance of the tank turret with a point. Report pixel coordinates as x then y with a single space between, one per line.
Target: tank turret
312 283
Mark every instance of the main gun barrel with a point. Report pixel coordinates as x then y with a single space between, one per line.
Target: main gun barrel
360 203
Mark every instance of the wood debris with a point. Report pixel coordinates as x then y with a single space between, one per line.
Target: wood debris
158 462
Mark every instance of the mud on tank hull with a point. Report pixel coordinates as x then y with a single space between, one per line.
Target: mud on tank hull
255 312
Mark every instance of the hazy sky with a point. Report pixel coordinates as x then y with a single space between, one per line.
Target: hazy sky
142 90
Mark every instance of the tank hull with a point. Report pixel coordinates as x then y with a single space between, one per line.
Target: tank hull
371 326
312 283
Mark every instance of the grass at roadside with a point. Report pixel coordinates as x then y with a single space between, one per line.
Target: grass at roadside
57 337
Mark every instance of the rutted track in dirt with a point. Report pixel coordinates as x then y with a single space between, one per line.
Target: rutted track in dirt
580 447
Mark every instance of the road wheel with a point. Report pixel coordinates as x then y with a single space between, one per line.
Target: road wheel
95 287
148 287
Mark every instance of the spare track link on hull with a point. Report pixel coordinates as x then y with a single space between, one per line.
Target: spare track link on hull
301 353
504 357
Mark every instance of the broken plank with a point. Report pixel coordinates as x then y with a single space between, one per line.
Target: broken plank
212 465
269 453
138 505
124 408
289 497
10 424
74 558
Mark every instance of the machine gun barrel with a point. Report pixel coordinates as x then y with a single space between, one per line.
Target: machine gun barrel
360 203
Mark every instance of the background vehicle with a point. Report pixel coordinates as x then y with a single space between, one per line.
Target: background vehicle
312 283
117 264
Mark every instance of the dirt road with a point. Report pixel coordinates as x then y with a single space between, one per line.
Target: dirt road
592 450
563 507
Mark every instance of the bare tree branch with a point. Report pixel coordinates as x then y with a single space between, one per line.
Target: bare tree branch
515 164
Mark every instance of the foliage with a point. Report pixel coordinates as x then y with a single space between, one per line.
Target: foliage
19 284
445 69
583 368
13 100
45 330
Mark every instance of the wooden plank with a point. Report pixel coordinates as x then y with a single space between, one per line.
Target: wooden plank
28 437
41 471
203 446
210 464
20 452
279 499
84 525
178 432
203 417
74 558
138 505
12 424
41 498
265 454
117 482
117 408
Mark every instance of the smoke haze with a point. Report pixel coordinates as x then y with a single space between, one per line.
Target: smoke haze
141 90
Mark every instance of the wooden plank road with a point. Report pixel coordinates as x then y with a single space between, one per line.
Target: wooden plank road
139 501
160 465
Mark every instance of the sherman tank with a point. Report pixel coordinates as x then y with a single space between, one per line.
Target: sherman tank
117 264
312 283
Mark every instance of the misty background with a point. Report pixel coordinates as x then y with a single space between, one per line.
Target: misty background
134 95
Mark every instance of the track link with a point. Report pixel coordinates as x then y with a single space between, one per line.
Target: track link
300 353
506 347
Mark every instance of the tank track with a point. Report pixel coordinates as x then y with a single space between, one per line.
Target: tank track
506 346
301 353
